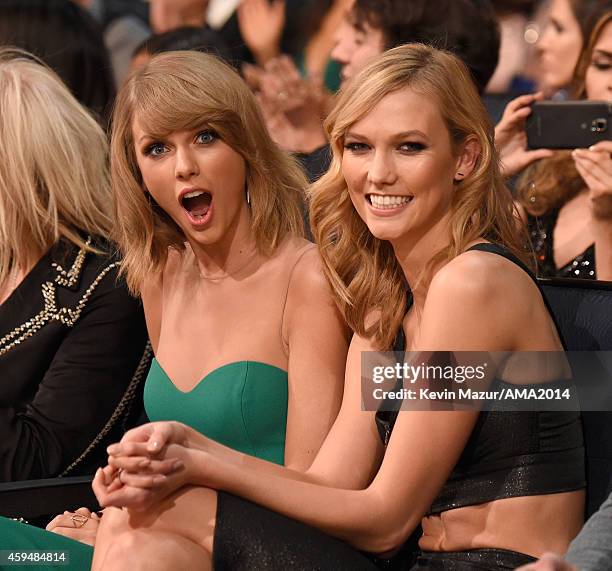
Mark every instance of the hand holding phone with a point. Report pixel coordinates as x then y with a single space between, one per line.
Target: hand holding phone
511 139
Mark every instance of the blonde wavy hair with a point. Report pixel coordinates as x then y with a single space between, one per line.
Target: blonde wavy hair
549 183
365 275
179 91
54 180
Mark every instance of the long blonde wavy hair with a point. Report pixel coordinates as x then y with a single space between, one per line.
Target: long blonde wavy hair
549 183
185 90
364 273
54 178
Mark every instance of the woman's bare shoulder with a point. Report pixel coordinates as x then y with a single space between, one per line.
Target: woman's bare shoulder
293 248
152 290
484 301
308 283
300 258
483 276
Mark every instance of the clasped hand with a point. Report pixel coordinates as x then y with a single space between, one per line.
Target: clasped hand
148 464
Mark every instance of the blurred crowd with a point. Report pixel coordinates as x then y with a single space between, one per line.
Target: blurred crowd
534 47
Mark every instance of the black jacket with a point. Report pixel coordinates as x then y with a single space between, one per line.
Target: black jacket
71 341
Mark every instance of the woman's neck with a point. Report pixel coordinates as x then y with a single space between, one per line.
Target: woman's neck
236 251
414 254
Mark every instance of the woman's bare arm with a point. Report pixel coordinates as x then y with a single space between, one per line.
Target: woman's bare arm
316 338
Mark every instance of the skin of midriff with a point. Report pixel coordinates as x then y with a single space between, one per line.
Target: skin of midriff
530 525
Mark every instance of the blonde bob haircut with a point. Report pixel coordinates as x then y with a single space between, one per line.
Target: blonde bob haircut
364 273
54 179
179 91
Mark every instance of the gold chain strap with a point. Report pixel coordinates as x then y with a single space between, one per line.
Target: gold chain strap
124 403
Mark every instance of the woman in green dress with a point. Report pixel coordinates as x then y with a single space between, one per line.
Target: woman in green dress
249 345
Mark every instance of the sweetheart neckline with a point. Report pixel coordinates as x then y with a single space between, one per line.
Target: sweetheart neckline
161 368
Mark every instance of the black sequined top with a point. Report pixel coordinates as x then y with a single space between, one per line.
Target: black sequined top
510 452
541 234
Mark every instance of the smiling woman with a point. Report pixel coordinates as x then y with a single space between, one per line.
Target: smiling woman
419 162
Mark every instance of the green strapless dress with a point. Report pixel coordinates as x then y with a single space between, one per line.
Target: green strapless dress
242 405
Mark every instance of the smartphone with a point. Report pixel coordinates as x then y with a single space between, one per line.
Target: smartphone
568 124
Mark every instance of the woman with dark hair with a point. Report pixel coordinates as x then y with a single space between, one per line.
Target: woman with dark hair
69 41
568 29
566 195
468 28
419 242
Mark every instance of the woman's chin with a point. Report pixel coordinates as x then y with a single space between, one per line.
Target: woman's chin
385 231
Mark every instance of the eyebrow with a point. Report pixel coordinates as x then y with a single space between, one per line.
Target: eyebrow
401 135
600 52
200 125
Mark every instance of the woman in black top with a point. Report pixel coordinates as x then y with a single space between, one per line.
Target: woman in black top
71 338
413 196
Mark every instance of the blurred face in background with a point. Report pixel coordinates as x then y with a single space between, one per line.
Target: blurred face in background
598 79
356 44
559 46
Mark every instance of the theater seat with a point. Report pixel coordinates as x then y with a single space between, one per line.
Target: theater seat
583 310
36 501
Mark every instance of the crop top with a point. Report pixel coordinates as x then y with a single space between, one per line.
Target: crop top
509 453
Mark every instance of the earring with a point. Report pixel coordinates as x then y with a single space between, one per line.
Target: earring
248 197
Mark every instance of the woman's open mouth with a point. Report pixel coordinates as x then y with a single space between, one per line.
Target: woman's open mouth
198 205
